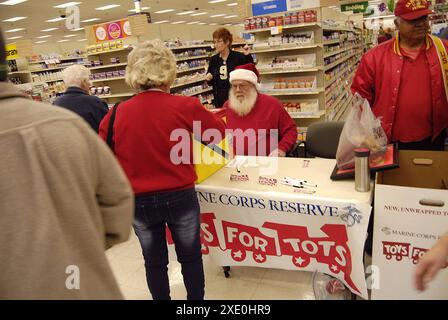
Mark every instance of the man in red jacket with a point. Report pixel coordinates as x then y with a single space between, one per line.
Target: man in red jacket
403 81
260 124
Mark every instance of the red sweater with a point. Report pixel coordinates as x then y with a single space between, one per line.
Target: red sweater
268 113
142 131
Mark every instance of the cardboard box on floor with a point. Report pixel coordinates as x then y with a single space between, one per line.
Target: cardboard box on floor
411 213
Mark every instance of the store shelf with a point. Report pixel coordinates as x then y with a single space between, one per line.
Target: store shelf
283 71
54 80
292 92
192 69
306 115
342 109
289 48
338 28
110 51
109 66
57 59
287 27
337 76
187 83
326 43
120 95
108 79
334 64
191 47
192 58
18 73
329 54
49 69
338 100
199 92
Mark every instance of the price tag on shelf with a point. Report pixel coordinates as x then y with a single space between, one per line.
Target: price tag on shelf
276 30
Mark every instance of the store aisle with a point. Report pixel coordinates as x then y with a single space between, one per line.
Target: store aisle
244 283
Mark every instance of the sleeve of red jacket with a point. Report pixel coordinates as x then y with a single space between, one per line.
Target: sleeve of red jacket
104 126
364 80
208 121
287 130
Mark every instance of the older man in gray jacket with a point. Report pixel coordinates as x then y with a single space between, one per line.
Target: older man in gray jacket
64 199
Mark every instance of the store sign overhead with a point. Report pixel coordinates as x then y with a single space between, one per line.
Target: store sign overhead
358 7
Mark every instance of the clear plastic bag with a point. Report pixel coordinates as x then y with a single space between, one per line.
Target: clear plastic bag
361 130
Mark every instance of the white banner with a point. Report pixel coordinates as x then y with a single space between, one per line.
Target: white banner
272 230
404 230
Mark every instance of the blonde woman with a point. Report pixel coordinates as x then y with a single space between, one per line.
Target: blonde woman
164 189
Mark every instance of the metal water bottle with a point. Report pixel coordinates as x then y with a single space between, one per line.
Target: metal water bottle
362 170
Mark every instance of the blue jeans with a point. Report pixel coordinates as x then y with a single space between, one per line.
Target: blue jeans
180 211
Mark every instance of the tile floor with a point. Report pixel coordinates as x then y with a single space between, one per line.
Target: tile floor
244 283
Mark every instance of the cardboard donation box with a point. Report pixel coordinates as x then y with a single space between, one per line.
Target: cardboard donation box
411 214
209 158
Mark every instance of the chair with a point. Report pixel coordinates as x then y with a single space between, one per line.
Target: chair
322 139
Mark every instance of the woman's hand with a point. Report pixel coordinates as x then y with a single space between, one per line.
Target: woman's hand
209 77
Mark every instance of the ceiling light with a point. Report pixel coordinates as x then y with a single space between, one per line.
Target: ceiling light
232 16
12 2
43 37
232 4
162 21
199 14
15 30
216 1
201 23
177 22
165 11
78 29
14 19
70 36
42 41
218 15
194 22
144 8
66 5
108 7
56 19
213 24
50 29
185 12
91 20
62 40
13 38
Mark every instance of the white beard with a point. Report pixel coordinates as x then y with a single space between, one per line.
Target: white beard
245 107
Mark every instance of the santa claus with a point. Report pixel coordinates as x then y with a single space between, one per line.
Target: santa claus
259 123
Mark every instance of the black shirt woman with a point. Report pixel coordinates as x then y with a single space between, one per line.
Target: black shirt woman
224 62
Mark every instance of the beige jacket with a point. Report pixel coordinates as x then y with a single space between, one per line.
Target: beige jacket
63 200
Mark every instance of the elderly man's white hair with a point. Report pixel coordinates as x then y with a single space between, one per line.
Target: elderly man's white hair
75 76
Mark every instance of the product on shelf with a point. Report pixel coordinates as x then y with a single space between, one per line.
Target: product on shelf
311 106
292 83
179 44
304 38
288 62
191 54
105 47
290 18
197 76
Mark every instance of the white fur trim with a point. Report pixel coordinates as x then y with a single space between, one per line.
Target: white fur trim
246 75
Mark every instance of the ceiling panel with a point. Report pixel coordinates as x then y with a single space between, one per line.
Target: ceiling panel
39 11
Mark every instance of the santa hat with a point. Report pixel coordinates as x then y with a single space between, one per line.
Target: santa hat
247 72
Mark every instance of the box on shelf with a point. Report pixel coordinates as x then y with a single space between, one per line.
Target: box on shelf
289 18
291 83
288 62
411 213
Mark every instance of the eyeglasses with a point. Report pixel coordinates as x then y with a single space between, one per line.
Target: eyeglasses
241 86
218 41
